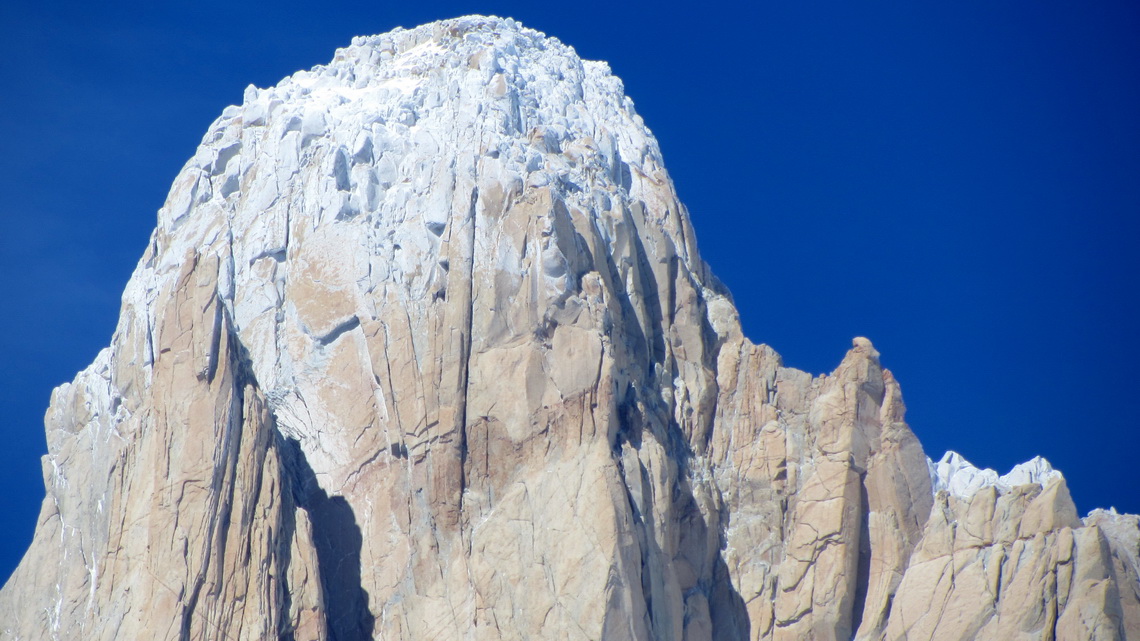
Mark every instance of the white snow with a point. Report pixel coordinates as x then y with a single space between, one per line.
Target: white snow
963 479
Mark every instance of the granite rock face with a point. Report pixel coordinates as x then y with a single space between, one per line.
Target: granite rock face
423 348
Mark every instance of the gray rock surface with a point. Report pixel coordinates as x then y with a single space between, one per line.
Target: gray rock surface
423 348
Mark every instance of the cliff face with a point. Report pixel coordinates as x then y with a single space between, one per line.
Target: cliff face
423 348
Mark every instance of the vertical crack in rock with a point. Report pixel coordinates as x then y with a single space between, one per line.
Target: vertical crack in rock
286 535
863 566
215 337
645 294
465 355
223 483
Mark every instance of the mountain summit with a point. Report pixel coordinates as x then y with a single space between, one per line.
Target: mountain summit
423 348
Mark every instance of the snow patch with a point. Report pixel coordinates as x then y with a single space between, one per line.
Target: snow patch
962 479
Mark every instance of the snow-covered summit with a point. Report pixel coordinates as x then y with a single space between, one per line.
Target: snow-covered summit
362 136
962 479
382 179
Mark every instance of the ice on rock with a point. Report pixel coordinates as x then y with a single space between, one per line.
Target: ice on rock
959 477
1037 470
962 479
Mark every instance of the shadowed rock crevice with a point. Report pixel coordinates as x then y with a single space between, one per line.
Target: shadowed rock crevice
338 541
691 577
338 331
863 565
287 530
727 609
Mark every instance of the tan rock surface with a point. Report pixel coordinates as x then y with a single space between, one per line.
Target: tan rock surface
423 348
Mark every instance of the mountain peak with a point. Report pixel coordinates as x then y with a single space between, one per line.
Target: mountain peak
422 347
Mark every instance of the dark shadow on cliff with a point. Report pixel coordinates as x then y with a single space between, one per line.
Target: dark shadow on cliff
338 541
727 611
286 529
863 572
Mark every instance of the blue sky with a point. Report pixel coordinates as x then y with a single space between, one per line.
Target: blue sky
960 182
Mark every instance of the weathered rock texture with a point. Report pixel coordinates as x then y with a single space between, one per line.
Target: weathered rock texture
423 348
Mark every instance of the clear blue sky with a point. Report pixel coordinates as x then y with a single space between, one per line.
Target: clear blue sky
960 182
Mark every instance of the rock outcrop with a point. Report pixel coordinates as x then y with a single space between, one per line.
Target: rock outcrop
423 348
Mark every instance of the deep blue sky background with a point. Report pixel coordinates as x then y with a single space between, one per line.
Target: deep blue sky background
960 182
